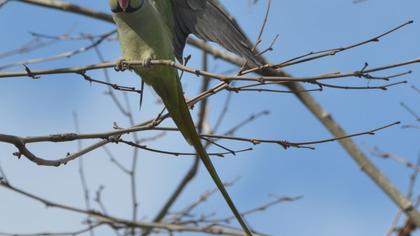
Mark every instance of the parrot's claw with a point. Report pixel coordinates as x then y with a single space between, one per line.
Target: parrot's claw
147 62
121 65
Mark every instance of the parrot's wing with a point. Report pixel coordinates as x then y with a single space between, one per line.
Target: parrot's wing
208 21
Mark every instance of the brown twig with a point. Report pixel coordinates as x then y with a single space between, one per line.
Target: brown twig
411 111
263 207
287 144
61 55
262 28
387 155
82 175
118 222
305 98
72 233
220 77
331 52
177 154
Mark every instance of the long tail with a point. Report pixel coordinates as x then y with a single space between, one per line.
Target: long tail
173 98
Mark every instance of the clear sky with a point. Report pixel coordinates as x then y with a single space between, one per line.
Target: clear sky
338 199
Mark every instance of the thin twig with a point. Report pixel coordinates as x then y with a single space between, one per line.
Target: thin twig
82 176
118 222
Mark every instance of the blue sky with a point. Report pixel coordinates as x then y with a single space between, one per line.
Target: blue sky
338 198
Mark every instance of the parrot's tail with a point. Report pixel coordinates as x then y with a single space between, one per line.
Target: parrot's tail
180 114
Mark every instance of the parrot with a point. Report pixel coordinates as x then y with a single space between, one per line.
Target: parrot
158 29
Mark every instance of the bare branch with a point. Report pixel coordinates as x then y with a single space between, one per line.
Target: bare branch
107 219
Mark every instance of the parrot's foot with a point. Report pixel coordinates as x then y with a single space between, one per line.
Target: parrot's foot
147 62
121 65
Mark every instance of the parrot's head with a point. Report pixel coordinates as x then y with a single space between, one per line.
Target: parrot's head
128 6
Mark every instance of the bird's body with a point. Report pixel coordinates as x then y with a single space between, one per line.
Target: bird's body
144 36
152 29
152 39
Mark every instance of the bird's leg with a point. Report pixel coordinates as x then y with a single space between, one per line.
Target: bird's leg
121 65
147 62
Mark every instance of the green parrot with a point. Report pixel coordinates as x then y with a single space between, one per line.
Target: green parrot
158 29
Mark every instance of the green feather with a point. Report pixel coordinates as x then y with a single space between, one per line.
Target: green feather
146 34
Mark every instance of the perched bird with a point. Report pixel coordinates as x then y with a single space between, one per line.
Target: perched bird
158 29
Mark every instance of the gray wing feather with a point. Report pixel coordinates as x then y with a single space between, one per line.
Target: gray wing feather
206 20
